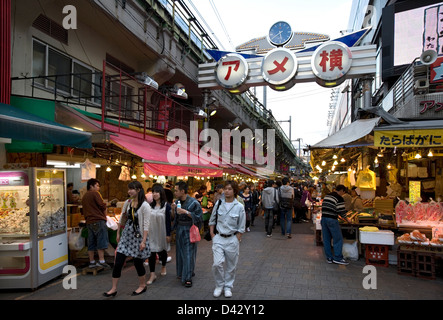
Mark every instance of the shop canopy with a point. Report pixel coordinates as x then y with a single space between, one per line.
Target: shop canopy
22 125
154 152
351 136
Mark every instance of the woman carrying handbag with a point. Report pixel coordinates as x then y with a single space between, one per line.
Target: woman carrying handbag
134 239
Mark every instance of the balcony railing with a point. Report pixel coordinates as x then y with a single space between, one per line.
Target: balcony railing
125 101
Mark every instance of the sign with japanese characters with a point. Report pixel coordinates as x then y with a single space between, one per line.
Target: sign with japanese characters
231 71
330 63
409 138
279 68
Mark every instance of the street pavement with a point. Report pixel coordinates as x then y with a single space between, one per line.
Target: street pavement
273 268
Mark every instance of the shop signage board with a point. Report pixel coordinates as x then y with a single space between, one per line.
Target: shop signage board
409 138
329 64
414 191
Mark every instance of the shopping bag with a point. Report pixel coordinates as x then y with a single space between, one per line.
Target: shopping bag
76 241
111 223
194 234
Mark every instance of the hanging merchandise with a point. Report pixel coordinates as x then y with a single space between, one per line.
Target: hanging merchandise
351 177
87 170
125 175
366 179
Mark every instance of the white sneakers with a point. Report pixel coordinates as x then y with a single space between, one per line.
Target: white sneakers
218 291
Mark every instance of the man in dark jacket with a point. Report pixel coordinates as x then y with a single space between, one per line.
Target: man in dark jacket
333 206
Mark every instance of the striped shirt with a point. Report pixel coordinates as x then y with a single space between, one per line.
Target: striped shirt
333 205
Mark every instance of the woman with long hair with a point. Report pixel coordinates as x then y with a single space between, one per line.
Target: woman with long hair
134 239
159 230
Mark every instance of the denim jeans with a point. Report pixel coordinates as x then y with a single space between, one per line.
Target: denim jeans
269 221
330 229
286 221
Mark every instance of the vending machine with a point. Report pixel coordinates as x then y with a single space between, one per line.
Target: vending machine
33 229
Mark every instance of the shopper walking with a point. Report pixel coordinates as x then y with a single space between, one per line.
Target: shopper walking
189 213
94 210
305 207
286 196
159 231
255 202
333 206
133 242
247 199
269 198
230 215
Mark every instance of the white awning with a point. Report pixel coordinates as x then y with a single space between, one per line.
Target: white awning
348 136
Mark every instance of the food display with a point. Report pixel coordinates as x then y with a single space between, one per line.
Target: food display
425 214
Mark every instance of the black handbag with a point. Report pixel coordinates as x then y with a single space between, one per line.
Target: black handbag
207 235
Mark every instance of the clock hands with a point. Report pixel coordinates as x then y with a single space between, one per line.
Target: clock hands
277 35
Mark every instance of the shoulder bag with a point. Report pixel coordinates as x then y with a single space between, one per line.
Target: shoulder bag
207 235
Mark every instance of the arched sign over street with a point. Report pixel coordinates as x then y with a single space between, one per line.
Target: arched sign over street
328 64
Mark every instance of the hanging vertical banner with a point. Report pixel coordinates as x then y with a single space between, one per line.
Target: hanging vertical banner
414 191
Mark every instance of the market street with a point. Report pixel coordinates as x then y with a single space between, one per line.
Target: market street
273 268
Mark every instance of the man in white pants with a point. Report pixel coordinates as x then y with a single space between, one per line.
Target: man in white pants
231 219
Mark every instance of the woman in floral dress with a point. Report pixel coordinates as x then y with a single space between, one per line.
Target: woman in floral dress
134 239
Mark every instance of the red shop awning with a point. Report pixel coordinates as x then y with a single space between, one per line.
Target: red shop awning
154 152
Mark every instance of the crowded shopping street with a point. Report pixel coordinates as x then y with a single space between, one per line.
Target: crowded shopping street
273 268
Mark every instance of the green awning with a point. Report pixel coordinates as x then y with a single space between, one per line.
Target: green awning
22 125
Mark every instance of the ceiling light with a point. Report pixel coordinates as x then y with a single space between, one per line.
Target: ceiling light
108 169
430 154
418 155
213 112
335 156
342 160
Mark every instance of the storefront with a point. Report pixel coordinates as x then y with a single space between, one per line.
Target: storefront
397 170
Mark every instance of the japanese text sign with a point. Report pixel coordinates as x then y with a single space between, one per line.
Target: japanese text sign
279 67
331 61
409 138
231 71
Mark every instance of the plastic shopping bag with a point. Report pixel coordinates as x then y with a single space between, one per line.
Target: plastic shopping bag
194 234
76 241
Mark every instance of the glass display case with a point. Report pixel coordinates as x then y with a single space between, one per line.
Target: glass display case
33 229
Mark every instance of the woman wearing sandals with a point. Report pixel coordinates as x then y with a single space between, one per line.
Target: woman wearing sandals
133 241
159 230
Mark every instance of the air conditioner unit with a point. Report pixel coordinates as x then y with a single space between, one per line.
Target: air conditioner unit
421 84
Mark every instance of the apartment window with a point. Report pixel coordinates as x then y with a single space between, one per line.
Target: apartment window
59 65
39 62
65 75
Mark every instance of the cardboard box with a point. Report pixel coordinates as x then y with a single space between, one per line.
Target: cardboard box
384 205
382 237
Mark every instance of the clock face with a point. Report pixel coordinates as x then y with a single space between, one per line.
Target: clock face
280 33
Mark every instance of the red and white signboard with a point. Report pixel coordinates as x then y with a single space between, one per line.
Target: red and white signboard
279 68
330 63
231 71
